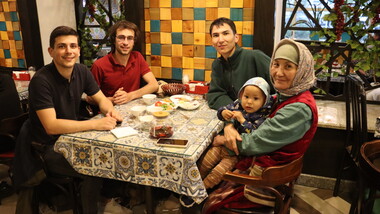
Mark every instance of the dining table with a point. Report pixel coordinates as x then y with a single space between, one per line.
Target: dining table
23 93
138 159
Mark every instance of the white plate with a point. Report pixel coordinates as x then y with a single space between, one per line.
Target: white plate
189 105
181 98
173 105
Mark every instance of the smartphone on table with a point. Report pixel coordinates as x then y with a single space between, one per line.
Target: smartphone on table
177 143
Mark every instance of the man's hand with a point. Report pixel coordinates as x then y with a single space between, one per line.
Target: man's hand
121 97
227 114
231 135
115 114
238 116
105 123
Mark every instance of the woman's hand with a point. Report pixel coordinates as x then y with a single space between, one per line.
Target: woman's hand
218 140
231 135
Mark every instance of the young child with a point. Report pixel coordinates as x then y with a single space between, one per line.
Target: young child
247 113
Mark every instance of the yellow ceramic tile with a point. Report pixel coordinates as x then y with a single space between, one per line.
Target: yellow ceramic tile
199 38
239 27
2 55
199 63
4 36
154 13
165 3
208 75
2 17
8 63
5 6
166 50
237 4
156 71
147 26
12 46
176 50
189 72
187 13
165 14
148 49
146 4
13 54
199 3
224 12
187 62
199 26
176 25
248 27
212 3
166 38
188 3
166 61
166 73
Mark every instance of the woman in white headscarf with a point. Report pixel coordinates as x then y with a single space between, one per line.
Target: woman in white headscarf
287 132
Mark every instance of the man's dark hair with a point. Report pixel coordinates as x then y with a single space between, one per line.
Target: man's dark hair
221 21
122 25
61 31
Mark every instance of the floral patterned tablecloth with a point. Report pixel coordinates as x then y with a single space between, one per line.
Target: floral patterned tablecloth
22 89
138 160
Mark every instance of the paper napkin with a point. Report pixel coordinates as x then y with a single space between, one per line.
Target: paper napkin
124 131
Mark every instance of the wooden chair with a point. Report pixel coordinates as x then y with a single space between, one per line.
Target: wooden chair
278 180
369 177
356 126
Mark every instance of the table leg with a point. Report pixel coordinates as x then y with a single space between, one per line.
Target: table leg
149 200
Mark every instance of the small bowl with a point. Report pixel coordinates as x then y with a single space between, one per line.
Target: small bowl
149 98
152 109
173 88
138 110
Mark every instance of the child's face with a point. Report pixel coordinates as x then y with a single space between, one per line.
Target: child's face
283 72
252 99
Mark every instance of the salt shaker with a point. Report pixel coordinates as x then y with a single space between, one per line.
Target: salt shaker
185 79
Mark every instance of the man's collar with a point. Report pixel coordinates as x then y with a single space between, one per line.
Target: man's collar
236 53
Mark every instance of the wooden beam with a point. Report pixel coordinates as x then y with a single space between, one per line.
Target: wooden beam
134 12
264 26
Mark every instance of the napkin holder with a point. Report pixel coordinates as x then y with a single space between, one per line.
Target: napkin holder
21 75
196 87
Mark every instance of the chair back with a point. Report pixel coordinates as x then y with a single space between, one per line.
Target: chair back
369 162
356 115
13 125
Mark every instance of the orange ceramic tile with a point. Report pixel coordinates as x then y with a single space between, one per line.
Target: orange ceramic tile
147 37
146 4
13 53
19 45
187 62
12 45
247 14
209 63
176 25
10 35
176 50
199 51
199 63
188 26
2 60
188 38
224 12
176 13
4 37
166 26
208 75
146 14
177 61
236 4
8 16
154 13
154 3
208 40
199 39
2 57
188 3
239 26
248 27
199 4
5 6
208 24
165 3
165 14
147 25
20 54
188 50
166 73
148 48
212 3
224 3
248 3
166 50
155 60
166 61
189 72
211 13
187 14
156 71
1 8
2 17
199 26
12 6
155 37
166 38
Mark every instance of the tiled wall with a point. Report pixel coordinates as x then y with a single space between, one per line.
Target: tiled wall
11 46
177 34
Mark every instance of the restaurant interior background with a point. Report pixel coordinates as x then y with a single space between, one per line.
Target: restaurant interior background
176 42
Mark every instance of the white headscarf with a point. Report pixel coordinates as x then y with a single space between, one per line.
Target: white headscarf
305 76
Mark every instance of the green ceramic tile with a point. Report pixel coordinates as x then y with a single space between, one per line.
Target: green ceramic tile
154 25
176 3
236 14
156 49
177 73
14 17
210 52
21 63
176 38
199 13
17 35
3 26
7 53
247 40
199 74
